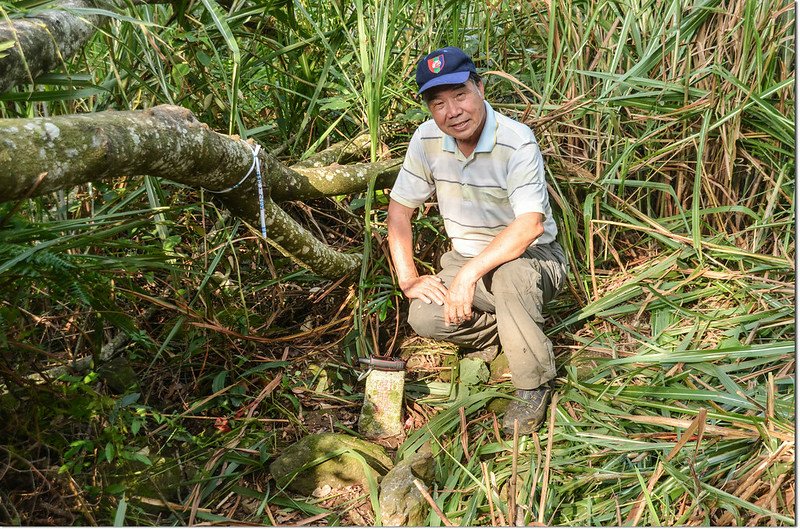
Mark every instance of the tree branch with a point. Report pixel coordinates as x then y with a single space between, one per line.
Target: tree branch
44 41
169 142
303 184
341 153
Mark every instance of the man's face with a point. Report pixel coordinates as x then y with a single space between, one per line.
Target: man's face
458 111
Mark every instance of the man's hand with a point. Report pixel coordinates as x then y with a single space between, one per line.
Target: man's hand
427 288
458 302
507 245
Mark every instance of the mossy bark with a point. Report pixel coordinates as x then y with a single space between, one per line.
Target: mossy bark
44 41
300 183
41 155
338 153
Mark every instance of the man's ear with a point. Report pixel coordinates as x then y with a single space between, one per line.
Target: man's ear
479 84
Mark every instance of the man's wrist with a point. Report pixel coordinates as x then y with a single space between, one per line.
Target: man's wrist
406 282
468 274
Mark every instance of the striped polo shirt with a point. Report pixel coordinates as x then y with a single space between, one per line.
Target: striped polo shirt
481 194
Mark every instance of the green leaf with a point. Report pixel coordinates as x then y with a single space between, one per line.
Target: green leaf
219 381
473 371
335 103
5 45
53 95
119 516
128 399
203 58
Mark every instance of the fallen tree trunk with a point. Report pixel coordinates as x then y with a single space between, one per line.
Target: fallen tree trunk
46 154
44 41
41 155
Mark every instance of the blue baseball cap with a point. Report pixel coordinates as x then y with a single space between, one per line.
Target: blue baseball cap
447 65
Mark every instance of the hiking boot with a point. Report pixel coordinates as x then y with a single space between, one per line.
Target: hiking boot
530 412
487 354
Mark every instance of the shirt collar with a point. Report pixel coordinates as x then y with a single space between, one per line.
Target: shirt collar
488 135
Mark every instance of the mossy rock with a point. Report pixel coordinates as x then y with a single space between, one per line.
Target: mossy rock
119 375
308 464
402 504
498 405
451 361
499 368
167 477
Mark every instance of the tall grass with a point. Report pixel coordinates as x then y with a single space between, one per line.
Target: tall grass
668 132
659 160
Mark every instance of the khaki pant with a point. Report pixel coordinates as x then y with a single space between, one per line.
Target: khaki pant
508 303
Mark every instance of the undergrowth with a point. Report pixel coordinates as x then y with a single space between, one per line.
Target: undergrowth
157 355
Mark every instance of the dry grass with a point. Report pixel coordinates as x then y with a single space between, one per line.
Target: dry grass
669 136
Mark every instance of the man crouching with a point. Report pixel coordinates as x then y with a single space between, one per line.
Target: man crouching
505 264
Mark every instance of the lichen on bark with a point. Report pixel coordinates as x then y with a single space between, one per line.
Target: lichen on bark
41 155
43 41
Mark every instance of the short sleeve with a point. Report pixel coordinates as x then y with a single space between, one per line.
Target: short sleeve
414 183
527 188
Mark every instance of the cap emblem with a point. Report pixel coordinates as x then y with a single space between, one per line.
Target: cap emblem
435 64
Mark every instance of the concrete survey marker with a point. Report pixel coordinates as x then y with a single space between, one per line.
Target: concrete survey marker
382 412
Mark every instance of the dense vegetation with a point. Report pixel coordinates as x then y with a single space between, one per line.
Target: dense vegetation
668 129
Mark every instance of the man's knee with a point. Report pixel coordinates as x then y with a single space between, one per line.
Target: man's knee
423 318
517 276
